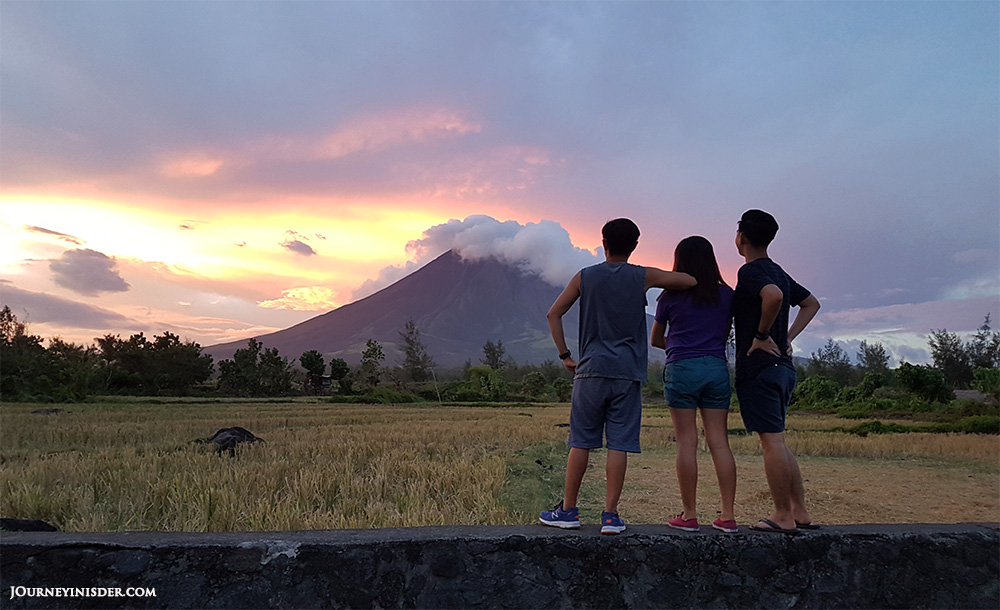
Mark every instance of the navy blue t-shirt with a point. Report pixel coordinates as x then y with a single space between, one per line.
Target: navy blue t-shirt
751 279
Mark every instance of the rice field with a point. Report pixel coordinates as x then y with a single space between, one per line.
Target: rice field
132 465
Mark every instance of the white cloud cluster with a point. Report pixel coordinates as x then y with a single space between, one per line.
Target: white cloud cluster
543 249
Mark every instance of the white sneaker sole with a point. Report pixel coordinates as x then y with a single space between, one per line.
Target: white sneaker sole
612 529
685 529
561 524
725 529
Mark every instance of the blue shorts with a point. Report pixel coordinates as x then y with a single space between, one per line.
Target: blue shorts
602 406
764 397
694 383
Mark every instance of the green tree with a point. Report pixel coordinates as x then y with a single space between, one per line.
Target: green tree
563 388
165 365
924 381
371 363
75 369
254 371
340 372
951 358
25 365
533 384
417 363
872 358
312 362
984 347
493 355
832 362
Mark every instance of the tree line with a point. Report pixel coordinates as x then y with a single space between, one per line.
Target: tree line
166 365
830 382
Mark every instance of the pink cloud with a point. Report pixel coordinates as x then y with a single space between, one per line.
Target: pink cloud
378 133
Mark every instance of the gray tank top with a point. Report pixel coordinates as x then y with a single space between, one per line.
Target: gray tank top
613 322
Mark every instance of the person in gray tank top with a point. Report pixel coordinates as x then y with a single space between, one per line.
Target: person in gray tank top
608 376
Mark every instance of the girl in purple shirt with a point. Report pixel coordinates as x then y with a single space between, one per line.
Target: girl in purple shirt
692 326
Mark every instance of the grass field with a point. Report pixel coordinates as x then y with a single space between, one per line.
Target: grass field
132 465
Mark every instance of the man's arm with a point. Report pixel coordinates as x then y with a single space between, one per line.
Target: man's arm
562 304
807 311
770 305
669 280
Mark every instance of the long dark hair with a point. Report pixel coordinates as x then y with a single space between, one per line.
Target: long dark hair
694 255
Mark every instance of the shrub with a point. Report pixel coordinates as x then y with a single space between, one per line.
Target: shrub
925 382
386 396
984 424
563 388
534 384
968 407
869 408
987 381
815 391
876 427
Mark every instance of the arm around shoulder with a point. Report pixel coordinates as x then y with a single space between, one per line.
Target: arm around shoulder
669 280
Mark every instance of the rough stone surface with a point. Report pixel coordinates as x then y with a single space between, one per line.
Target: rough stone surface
650 566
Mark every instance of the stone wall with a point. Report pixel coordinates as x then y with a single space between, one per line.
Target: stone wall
650 566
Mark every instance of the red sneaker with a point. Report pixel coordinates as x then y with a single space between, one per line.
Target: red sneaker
728 526
680 523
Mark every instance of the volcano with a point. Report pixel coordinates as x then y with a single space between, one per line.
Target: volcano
457 305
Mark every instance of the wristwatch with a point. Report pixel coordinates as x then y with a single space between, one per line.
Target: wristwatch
762 336
564 355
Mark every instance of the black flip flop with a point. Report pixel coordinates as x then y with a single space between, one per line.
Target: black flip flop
807 526
774 528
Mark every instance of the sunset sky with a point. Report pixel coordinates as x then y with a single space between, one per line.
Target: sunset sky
225 169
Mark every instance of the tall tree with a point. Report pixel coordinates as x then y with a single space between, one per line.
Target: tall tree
493 355
312 362
951 358
371 363
254 371
832 362
417 363
984 347
872 358
25 365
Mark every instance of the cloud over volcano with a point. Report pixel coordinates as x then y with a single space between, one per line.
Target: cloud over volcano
542 249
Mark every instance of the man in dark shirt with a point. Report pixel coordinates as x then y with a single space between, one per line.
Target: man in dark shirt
765 376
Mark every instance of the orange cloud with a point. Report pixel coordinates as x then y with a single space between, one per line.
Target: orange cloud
196 165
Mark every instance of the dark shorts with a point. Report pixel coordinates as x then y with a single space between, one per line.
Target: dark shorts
764 397
605 407
694 383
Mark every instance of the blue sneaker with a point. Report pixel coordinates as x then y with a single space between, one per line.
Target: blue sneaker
557 517
611 523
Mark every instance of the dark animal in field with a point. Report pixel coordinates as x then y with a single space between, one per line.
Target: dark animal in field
26 525
226 439
49 412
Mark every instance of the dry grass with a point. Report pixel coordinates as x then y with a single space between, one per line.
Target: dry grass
132 466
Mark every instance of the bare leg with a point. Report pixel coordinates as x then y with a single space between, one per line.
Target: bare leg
615 469
798 493
576 466
782 471
686 431
716 435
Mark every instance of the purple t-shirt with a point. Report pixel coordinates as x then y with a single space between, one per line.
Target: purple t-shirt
693 331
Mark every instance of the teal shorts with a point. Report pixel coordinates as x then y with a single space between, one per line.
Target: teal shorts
697 383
